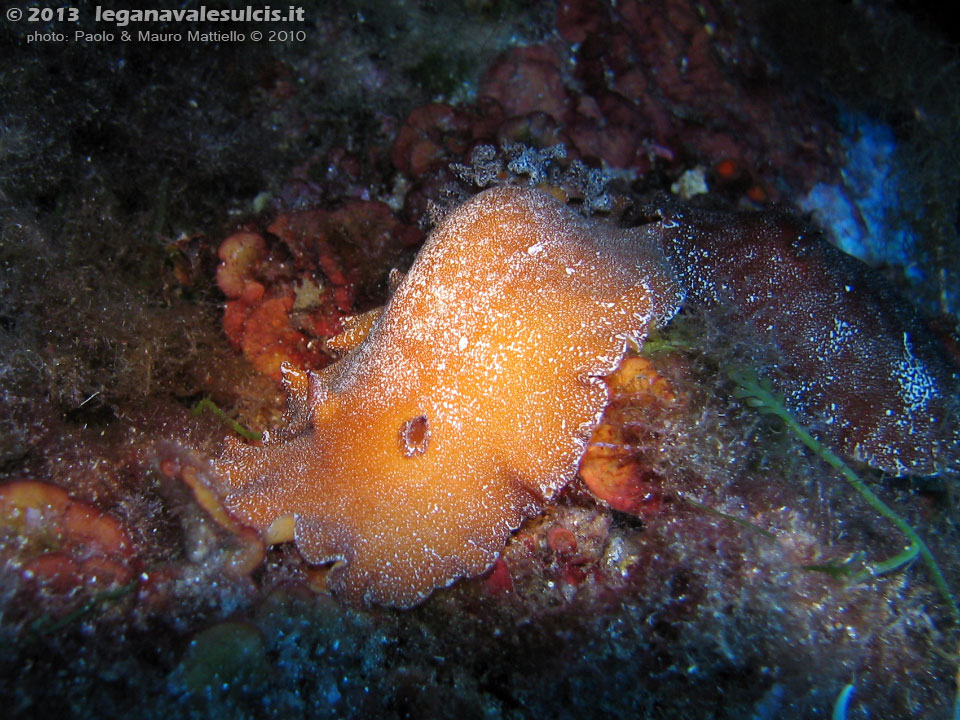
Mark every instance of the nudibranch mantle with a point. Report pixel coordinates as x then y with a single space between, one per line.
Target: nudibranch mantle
467 406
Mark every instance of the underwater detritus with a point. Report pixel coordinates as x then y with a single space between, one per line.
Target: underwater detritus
465 409
759 394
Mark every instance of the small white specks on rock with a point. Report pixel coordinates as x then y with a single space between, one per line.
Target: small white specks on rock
462 345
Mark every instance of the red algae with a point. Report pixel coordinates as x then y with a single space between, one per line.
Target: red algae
528 80
65 545
285 298
619 463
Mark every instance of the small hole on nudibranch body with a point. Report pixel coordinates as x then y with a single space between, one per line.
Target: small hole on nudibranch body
414 436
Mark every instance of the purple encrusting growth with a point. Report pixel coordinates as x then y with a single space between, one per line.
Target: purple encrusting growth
856 362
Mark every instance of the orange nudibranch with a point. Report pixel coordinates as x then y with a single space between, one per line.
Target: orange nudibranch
467 406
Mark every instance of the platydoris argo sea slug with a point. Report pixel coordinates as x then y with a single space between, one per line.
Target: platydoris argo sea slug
465 408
